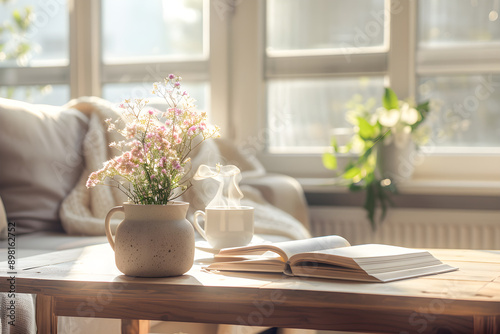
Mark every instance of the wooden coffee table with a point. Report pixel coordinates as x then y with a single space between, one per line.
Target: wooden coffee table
85 283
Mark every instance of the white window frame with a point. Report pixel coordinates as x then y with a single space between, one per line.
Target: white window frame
86 73
89 73
467 172
44 72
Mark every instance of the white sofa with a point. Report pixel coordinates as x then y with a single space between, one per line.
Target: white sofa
41 161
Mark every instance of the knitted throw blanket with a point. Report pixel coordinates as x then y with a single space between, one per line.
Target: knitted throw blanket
83 211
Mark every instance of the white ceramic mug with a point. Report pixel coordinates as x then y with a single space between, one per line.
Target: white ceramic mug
226 226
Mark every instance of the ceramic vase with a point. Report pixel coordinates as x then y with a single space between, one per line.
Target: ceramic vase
152 240
396 158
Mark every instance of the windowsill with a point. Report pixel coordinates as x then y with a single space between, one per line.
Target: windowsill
413 187
437 173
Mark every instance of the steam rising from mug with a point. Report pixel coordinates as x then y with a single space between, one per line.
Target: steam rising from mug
229 193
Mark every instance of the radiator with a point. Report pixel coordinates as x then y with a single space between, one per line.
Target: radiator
419 228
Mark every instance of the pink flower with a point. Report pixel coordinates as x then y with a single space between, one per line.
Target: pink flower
162 162
176 165
131 130
93 180
137 153
192 130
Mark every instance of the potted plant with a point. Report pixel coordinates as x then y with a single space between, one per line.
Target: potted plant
383 141
155 239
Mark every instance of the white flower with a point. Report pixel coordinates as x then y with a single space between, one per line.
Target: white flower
409 115
388 118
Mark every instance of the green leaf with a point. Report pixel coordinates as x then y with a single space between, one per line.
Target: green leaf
370 178
390 99
22 20
16 15
352 172
22 49
366 130
355 187
423 110
329 161
370 204
367 153
334 144
383 199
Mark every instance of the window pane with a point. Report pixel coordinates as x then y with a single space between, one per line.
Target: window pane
321 24
56 95
468 112
44 34
304 112
117 92
450 22
136 29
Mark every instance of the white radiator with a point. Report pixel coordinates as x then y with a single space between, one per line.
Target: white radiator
419 228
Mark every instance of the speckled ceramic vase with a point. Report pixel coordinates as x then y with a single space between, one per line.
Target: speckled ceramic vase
152 240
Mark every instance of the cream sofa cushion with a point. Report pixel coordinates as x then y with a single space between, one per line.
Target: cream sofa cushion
40 161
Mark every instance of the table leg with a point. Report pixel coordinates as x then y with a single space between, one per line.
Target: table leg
133 326
46 319
486 324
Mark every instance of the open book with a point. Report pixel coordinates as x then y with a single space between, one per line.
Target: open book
331 257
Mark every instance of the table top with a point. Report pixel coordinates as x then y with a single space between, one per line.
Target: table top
472 290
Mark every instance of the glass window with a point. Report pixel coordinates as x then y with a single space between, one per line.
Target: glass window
302 113
467 112
117 92
324 24
467 109
34 33
56 95
135 30
452 22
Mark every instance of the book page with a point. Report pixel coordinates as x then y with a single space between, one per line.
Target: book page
291 248
367 262
286 249
274 265
360 255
